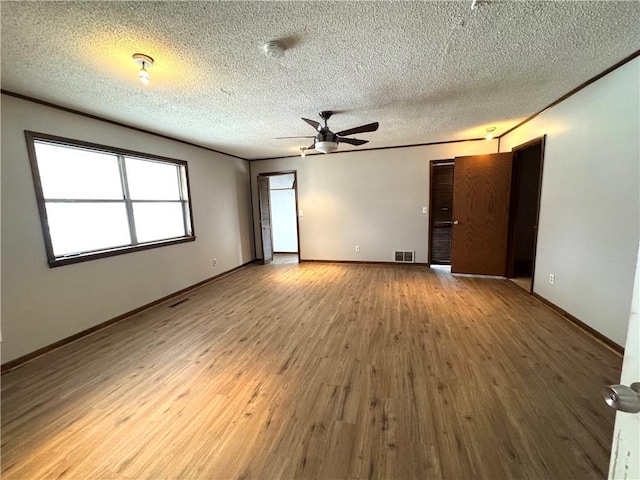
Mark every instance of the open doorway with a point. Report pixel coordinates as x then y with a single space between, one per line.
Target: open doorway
524 211
284 219
278 195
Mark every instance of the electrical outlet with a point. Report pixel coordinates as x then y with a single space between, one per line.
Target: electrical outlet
357 248
215 262
552 278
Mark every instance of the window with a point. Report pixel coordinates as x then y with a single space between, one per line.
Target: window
97 201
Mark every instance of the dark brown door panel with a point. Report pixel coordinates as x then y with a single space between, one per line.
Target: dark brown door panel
481 192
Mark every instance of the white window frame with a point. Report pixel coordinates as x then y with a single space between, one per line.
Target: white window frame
183 182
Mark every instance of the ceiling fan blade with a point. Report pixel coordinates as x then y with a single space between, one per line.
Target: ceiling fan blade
305 136
352 141
370 127
313 123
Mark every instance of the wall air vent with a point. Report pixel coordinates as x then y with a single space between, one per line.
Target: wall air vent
402 256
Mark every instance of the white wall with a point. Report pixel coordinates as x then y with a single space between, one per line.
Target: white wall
283 213
41 305
372 199
590 213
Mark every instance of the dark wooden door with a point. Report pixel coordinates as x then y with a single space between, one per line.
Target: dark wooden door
526 180
481 192
441 212
265 218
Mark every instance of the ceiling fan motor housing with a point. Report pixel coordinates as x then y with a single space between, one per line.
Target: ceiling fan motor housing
326 141
325 135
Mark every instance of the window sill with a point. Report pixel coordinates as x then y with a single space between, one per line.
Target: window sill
85 257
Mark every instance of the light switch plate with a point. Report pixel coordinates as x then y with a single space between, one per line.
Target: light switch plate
424 209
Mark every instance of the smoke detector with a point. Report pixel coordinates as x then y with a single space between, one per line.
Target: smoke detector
274 49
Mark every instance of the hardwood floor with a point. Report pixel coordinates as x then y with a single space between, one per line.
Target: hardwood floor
319 371
522 282
285 258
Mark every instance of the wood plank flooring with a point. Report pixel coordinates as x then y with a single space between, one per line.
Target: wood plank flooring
319 371
522 282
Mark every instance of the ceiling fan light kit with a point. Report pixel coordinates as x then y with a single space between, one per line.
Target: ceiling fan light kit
326 147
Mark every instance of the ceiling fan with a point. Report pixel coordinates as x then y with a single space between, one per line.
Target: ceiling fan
326 141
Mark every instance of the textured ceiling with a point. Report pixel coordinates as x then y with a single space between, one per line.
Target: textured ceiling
427 71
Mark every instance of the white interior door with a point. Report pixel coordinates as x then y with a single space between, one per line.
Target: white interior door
625 449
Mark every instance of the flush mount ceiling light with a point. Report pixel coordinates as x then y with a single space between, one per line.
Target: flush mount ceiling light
490 131
274 49
145 61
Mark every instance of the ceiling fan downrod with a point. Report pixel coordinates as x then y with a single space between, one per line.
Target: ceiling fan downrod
325 115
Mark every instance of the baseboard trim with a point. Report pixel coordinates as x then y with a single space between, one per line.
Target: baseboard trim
285 253
360 262
17 362
578 323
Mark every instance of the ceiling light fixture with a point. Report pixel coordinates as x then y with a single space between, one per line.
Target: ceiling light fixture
303 151
145 61
490 131
326 147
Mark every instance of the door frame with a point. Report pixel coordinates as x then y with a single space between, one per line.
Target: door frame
511 233
432 164
295 191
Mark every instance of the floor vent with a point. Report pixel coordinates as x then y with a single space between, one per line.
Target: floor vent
404 257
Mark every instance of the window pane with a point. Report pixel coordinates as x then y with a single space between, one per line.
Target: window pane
152 180
82 227
157 221
72 173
